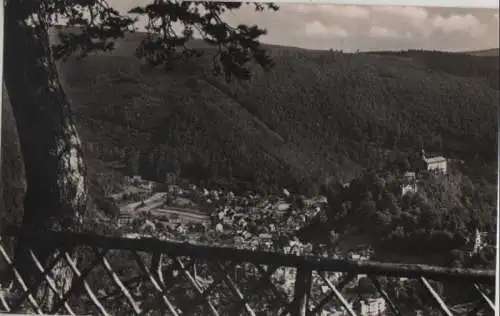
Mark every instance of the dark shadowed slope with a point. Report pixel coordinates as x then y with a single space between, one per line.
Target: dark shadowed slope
480 65
487 52
318 115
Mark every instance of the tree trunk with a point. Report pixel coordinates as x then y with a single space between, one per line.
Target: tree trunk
12 181
56 196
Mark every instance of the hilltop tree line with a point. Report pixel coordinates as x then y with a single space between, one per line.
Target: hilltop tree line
386 101
459 64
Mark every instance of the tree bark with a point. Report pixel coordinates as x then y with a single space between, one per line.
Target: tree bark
12 180
56 196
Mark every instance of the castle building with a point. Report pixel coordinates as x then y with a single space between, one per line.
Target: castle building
439 163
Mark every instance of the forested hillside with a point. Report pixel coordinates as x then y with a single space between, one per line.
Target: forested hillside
316 117
441 216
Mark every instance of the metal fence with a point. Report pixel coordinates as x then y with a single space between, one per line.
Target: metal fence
120 276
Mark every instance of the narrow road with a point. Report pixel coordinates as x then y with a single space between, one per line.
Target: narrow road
184 214
153 201
153 204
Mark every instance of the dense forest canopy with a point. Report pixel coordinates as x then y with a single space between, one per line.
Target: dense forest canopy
442 215
318 116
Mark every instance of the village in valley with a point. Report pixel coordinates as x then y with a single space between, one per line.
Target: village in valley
184 212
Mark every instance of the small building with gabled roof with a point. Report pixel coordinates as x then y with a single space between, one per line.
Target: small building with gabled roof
437 163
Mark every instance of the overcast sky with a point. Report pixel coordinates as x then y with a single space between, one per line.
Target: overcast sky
352 27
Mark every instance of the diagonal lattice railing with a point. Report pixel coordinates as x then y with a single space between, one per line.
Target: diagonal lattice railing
121 276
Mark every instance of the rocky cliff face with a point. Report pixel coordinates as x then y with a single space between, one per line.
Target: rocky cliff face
12 177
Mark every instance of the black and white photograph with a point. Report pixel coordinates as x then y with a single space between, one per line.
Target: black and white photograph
164 157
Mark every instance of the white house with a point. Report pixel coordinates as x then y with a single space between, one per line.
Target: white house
478 241
438 163
408 188
410 185
372 307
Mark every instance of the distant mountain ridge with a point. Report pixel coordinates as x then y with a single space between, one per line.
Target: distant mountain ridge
485 52
318 116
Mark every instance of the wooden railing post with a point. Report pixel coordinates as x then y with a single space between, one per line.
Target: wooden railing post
302 291
195 271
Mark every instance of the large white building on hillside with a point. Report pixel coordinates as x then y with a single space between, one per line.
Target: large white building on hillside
438 163
433 164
